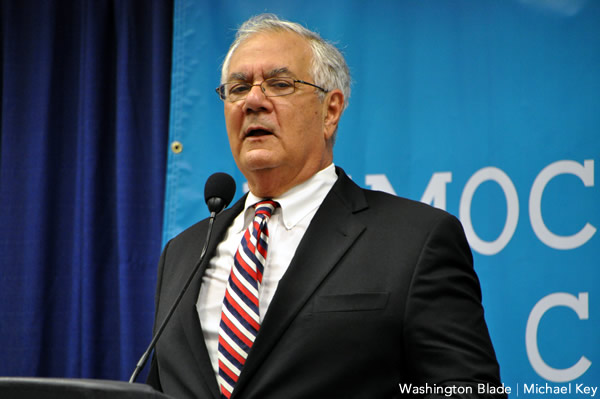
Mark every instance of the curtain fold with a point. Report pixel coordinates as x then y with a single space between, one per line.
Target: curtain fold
84 128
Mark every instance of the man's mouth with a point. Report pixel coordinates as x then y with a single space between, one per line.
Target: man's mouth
258 133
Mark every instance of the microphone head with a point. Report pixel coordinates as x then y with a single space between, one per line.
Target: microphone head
219 191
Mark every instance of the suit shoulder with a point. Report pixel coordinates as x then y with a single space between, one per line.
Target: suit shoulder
200 228
192 232
391 204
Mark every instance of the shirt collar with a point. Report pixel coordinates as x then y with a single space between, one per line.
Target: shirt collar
300 200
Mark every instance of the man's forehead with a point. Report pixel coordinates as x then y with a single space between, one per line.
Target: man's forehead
270 54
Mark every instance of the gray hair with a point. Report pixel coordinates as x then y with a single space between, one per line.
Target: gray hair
329 69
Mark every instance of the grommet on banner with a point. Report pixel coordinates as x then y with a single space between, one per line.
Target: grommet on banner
176 147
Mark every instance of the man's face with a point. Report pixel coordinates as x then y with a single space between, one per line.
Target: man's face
277 142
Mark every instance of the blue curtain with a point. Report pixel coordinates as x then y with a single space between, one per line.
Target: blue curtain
84 88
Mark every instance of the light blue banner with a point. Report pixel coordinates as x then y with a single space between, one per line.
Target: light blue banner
488 109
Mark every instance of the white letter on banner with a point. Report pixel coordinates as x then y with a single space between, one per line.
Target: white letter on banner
435 193
586 174
379 183
512 206
580 306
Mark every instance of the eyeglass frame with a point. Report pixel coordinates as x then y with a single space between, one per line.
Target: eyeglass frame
220 90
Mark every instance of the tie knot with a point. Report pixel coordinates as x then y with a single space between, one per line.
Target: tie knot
265 208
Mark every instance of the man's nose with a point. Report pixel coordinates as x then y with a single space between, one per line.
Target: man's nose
256 100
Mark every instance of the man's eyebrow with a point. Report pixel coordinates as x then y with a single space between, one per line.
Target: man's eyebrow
276 72
237 76
241 76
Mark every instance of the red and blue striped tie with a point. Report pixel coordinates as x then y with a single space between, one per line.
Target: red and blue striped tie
240 317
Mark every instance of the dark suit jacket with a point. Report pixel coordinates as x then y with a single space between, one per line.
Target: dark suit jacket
381 292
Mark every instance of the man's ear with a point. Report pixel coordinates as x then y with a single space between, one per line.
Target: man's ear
334 106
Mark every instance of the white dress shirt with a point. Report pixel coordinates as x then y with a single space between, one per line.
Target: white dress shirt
286 228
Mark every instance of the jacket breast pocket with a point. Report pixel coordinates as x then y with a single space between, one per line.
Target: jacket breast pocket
355 302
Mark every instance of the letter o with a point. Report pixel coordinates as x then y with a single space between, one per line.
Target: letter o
580 306
512 206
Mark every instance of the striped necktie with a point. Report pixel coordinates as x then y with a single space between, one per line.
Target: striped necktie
240 317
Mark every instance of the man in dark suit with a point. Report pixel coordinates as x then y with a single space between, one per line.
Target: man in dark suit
354 294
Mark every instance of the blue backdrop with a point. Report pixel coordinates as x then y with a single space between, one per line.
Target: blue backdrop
488 109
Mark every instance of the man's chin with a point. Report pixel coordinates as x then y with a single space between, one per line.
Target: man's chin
257 160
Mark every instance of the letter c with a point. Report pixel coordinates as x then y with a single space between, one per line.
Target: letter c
580 306
586 174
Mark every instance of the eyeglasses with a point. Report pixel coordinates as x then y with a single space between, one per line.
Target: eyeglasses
272 87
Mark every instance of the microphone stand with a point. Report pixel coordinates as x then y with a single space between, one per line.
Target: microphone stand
142 362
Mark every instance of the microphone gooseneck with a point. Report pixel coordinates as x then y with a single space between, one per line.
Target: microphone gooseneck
218 193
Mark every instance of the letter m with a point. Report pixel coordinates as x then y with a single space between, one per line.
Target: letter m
435 193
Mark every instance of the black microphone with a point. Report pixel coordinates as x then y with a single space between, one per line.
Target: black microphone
218 193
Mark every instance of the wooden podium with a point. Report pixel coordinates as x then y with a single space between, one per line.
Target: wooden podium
73 388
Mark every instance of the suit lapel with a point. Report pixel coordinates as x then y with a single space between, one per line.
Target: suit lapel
331 233
188 316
